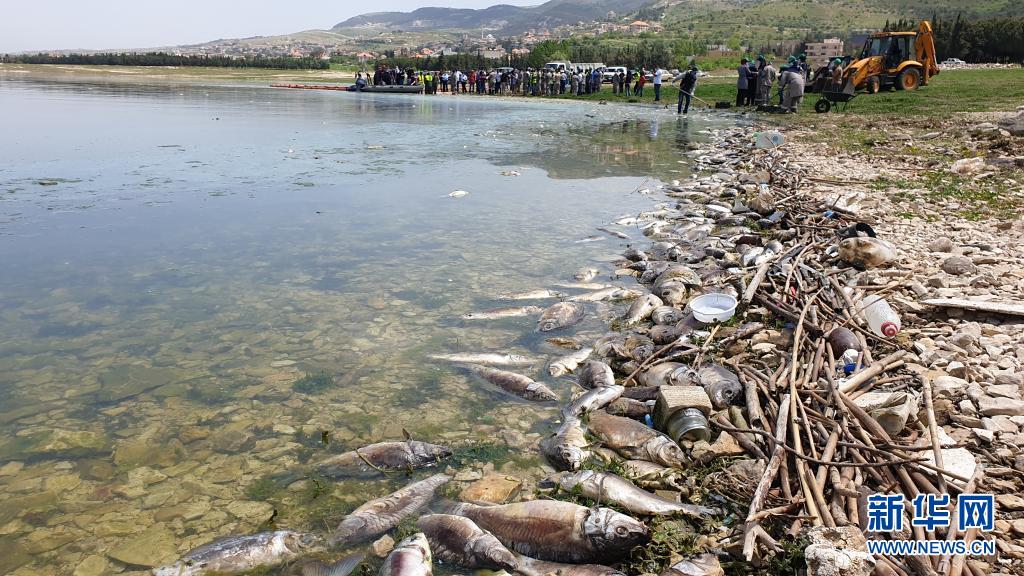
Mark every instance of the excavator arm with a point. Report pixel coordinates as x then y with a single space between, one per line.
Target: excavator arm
924 45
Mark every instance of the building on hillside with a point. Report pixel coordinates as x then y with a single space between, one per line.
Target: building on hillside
819 53
639 27
365 57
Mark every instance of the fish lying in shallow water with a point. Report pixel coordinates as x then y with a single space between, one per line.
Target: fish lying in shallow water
381 457
567 447
410 557
593 399
595 374
522 386
458 540
606 487
559 531
499 313
561 315
635 440
569 362
242 553
382 514
540 294
487 359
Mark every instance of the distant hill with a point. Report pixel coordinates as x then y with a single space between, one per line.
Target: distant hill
502 18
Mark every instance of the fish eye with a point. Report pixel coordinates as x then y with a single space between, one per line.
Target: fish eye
621 530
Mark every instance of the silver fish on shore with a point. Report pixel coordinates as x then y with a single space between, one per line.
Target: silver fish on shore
721 384
382 457
607 293
241 553
569 362
672 292
522 386
593 399
595 374
499 313
561 315
533 567
607 487
641 309
663 315
410 557
541 294
486 359
457 540
559 531
635 440
584 285
586 274
382 514
629 408
567 447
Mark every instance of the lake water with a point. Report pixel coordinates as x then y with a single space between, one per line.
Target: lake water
175 257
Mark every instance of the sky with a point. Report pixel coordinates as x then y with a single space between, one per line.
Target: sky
101 24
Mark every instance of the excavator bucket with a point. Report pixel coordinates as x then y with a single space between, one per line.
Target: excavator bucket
924 45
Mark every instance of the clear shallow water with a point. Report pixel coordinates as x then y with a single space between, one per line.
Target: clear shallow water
175 257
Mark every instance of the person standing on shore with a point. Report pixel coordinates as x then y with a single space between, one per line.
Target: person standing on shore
793 86
837 75
641 79
657 85
686 88
741 83
766 77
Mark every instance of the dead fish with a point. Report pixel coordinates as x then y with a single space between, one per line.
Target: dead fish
595 374
680 273
509 173
589 239
615 233
522 386
666 374
662 335
564 342
568 363
664 315
540 294
533 567
628 408
567 447
635 255
606 487
593 399
342 567
241 553
457 540
410 557
635 440
382 457
608 293
626 221
586 274
584 285
559 531
498 313
487 359
561 315
458 194
382 514
641 309
721 384
673 293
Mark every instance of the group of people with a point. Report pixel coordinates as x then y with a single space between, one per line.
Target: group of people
756 78
530 82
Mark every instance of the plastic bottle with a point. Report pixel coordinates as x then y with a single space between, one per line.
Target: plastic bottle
882 319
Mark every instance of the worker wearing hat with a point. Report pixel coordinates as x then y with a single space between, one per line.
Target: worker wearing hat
837 75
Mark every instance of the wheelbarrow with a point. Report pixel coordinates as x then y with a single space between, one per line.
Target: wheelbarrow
830 98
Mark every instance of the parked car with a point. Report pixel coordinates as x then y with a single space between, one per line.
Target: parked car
612 71
952 62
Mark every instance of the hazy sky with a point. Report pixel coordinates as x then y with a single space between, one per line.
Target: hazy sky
98 24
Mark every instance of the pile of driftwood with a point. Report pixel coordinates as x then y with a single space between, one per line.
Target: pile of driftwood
825 453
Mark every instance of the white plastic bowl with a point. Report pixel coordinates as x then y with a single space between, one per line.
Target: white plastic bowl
713 307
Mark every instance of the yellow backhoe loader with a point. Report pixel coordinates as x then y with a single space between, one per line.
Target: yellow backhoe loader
901 60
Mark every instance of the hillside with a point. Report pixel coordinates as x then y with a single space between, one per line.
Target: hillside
501 18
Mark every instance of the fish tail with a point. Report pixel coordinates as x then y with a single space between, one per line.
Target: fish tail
342 567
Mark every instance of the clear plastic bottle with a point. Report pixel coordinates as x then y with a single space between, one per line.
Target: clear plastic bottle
882 319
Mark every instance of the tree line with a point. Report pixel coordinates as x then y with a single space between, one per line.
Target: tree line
988 40
165 59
